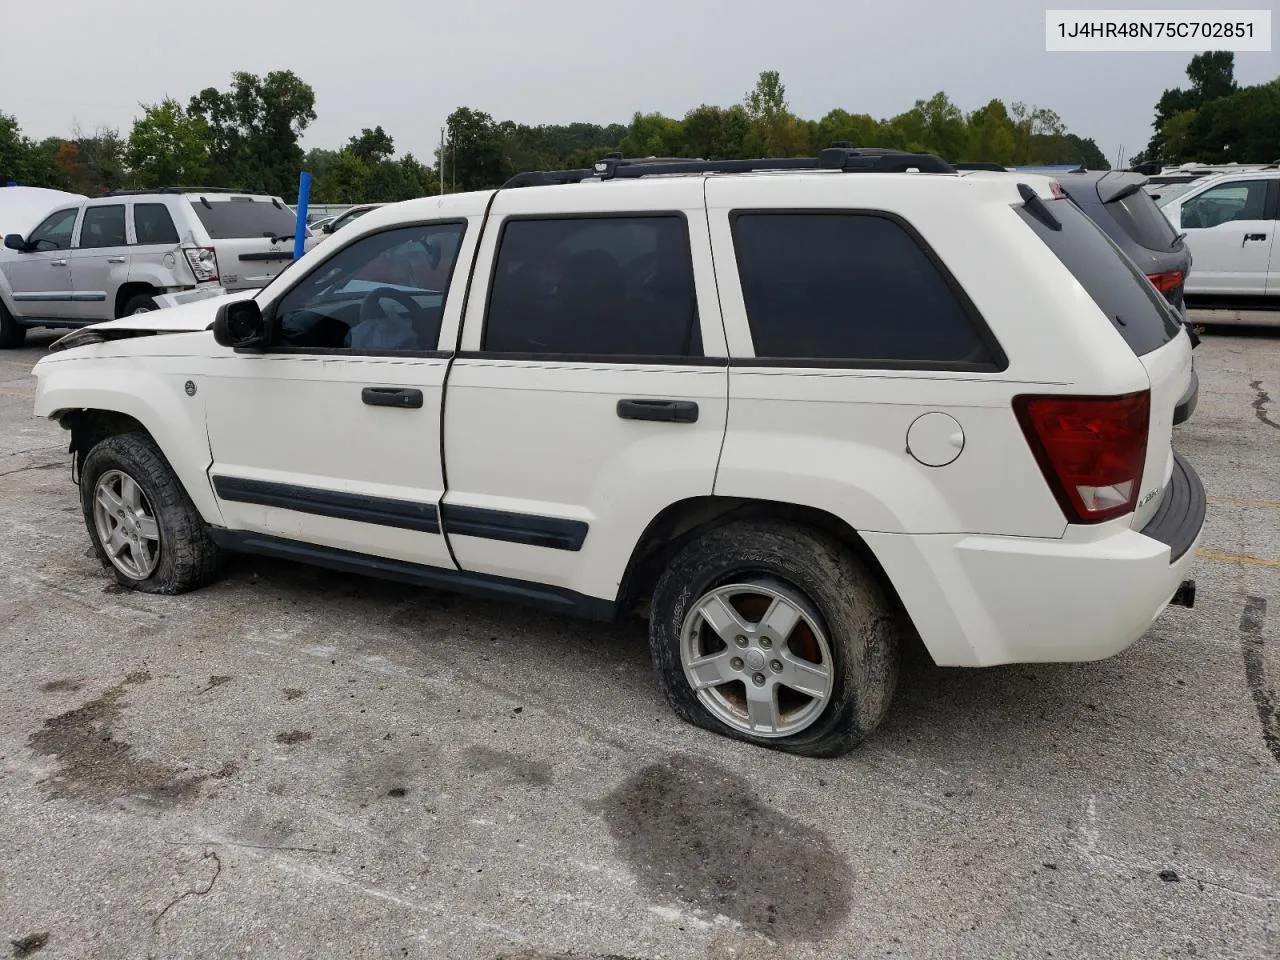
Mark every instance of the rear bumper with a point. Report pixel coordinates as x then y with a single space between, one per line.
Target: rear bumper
1187 404
980 601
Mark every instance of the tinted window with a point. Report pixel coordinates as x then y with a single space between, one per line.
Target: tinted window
847 287
350 216
55 232
103 227
616 286
1225 202
239 218
1138 312
383 293
152 224
1143 221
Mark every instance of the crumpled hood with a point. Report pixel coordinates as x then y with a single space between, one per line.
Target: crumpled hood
188 318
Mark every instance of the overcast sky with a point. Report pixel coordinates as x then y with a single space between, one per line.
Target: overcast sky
405 64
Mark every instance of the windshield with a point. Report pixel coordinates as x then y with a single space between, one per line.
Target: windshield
240 218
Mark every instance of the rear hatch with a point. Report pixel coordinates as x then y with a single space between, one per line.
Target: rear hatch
1165 258
1145 321
252 236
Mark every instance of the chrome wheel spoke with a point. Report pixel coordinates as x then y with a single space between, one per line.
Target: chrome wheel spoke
722 618
147 528
762 708
779 620
803 676
109 500
130 493
712 670
115 543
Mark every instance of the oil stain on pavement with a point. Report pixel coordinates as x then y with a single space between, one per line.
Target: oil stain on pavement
693 832
1264 697
94 765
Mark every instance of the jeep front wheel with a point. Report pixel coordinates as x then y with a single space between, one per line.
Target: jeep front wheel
775 634
143 525
12 333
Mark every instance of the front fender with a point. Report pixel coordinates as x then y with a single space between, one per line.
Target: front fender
156 398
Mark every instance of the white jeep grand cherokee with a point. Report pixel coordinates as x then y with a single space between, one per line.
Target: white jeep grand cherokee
797 406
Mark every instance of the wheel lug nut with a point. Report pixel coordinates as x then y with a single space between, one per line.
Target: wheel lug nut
758 679
775 666
740 641
766 643
736 663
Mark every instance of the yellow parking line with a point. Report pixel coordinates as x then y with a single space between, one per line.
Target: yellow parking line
1236 558
1237 501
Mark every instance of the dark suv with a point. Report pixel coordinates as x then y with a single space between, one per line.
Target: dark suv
1116 202
1126 213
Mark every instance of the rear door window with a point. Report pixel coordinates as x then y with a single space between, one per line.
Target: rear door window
152 224
852 287
596 286
1140 315
103 227
240 218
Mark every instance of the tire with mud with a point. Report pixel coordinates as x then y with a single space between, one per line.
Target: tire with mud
143 526
776 634
12 333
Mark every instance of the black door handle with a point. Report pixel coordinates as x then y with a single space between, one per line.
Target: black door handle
666 411
392 397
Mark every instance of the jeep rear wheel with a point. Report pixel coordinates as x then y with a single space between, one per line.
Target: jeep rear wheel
775 634
143 525
12 333
142 303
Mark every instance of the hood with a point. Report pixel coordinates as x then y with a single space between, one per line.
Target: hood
188 318
22 208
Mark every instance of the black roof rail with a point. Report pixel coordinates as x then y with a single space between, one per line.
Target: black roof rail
982 165
141 193
840 158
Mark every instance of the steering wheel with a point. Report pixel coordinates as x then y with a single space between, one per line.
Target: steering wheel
371 304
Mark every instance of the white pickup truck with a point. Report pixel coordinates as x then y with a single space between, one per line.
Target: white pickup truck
112 256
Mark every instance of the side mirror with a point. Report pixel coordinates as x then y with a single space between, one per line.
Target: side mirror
240 325
15 241
327 228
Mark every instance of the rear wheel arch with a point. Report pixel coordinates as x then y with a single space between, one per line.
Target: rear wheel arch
130 291
685 520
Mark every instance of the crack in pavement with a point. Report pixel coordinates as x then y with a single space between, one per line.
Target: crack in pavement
1260 404
1264 698
194 892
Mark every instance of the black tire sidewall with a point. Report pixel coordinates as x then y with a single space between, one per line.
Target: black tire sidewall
12 333
851 609
141 300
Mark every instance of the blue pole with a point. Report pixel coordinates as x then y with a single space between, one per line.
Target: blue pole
300 229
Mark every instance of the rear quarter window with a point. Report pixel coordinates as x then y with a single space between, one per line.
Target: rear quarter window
1140 315
242 218
855 287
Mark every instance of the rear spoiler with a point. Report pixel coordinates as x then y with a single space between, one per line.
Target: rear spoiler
1035 205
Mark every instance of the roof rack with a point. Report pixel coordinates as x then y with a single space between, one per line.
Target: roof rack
841 158
139 193
982 165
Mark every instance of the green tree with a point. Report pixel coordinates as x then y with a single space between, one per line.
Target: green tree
254 129
475 156
653 135
773 129
372 146
1241 128
1212 76
168 146
991 134
943 126
858 129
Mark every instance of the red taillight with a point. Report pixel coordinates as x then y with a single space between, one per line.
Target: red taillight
1056 191
1091 450
1164 282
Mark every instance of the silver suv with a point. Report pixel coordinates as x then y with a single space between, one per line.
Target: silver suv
112 256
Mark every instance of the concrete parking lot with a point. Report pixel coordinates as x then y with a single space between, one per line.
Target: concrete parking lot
296 763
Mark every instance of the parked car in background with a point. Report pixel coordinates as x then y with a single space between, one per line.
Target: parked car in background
349 216
111 256
1230 221
318 225
784 406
